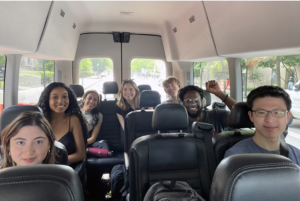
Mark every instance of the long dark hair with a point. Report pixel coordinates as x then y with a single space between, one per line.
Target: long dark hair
72 109
96 110
26 119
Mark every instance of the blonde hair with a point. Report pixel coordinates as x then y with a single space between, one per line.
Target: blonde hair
122 103
26 119
169 80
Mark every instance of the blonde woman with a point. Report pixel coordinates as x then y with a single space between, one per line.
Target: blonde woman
28 140
129 100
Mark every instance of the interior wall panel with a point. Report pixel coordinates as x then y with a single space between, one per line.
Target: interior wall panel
66 71
21 25
247 29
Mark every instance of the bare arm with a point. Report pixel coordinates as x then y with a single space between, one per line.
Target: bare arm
121 120
95 133
79 155
214 88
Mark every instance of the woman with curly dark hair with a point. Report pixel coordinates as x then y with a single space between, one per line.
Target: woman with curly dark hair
61 109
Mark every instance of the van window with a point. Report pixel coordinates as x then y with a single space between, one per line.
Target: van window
2 75
151 72
284 71
34 76
213 70
93 72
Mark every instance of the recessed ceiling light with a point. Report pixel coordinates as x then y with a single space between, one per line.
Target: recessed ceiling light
126 13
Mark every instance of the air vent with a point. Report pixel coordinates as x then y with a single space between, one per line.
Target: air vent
74 26
126 13
175 30
62 13
192 19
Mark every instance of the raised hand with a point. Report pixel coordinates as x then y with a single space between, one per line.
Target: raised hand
213 87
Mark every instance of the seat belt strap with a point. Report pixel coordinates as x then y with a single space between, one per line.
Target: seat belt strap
284 149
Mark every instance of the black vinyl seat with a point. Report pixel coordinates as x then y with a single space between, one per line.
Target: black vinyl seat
143 87
139 122
110 132
238 119
11 112
177 156
256 177
78 90
40 182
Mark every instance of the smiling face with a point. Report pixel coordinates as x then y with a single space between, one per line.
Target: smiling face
29 146
172 89
269 127
129 92
59 100
91 101
192 103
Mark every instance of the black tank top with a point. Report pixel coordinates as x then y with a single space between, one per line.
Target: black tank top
69 141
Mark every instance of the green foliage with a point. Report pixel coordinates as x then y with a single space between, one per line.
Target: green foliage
148 64
49 65
85 66
102 64
2 60
255 76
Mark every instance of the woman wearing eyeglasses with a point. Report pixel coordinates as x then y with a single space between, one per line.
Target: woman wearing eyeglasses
129 100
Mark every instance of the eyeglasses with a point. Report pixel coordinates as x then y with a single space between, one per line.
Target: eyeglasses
275 113
190 100
170 85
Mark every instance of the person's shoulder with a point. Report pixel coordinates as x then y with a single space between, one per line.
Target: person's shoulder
238 148
74 119
100 116
294 149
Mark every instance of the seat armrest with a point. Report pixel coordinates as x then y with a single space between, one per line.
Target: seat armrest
126 161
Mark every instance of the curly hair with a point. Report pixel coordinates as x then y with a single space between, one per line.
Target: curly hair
122 103
268 91
96 110
185 89
26 119
72 109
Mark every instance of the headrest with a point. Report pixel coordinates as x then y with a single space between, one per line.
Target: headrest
110 87
170 116
40 182
11 112
149 98
143 87
239 116
249 177
207 97
218 105
78 90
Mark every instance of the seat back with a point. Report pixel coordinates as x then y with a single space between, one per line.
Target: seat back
139 122
40 182
110 127
252 177
168 156
238 119
143 87
78 90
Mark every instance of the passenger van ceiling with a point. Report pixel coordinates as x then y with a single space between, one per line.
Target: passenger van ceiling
220 30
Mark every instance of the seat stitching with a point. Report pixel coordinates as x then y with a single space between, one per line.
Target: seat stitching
256 165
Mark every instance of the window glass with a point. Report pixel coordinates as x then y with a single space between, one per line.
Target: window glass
34 76
213 70
2 74
278 71
94 72
151 72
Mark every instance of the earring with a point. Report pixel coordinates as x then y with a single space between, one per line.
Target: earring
49 151
9 153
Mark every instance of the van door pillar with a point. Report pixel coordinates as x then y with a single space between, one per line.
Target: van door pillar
235 77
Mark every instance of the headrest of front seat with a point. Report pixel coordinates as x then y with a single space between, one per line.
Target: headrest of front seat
11 112
149 98
78 90
251 177
239 116
40 182
144 87
110 87
170 116
207 97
